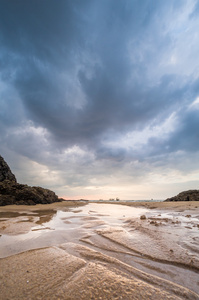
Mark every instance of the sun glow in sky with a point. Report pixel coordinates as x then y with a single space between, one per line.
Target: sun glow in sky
100 99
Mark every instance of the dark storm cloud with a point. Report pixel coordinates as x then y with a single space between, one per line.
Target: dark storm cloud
30 27
186 137
83 69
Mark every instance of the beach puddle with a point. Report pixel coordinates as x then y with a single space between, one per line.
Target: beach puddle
160 244
22 231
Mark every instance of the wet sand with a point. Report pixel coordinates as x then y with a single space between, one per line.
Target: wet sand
100 251
158 205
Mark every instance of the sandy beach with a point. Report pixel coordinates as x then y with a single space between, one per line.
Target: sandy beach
75 250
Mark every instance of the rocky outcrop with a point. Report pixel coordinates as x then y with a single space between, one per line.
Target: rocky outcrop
12 192
15 193
5 172
191 195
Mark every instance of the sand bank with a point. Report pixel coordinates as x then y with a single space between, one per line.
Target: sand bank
158 205
55 205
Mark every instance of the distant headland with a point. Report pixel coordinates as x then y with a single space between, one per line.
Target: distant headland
191 195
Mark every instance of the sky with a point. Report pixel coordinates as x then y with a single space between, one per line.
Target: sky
100 99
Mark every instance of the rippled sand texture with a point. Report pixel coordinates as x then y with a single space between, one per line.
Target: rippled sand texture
99 252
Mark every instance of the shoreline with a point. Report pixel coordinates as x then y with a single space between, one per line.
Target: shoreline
157 204
74 203
53 206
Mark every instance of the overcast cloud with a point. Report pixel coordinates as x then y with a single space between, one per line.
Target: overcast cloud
100 99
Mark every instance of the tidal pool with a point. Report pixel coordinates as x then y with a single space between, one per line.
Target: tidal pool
30 230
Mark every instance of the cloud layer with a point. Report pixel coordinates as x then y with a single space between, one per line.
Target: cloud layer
100 98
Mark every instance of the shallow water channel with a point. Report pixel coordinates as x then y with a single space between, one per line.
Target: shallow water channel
32 230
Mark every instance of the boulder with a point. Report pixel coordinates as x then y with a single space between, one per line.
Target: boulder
191 195
143 217
12 192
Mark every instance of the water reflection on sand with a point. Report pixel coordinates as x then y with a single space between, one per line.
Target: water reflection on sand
164 244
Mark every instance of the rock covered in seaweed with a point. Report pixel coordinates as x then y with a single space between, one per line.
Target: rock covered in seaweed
12 192
190 195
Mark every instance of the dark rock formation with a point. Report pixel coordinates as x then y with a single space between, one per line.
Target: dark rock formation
191 195
12 192
5 172
143 217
